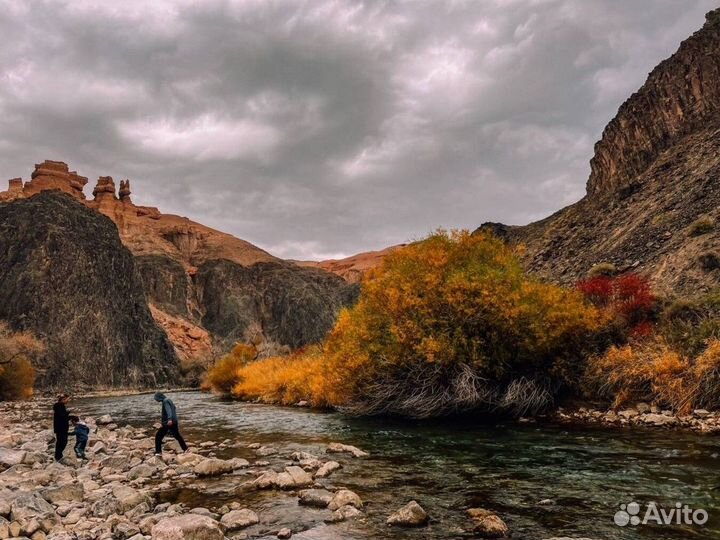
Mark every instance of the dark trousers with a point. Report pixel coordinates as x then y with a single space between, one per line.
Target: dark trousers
80 445
61 440
173 430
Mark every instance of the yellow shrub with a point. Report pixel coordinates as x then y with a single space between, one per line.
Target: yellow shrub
224 374
654 372
17 379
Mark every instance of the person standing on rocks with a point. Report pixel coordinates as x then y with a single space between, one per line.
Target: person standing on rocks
61 425
169 421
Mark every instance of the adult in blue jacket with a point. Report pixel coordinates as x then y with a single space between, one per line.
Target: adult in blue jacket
169 421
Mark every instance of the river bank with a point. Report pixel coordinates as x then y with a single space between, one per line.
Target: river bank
641 415
119 492
544 480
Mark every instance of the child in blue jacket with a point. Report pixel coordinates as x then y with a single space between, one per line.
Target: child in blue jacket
82 434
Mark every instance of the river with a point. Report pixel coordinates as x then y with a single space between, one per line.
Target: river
451 465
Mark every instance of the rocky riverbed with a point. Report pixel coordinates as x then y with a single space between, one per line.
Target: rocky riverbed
119 492
642 414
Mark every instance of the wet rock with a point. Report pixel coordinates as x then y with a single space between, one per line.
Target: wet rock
300 478
266 451
326 469
343 513
267 480
319 498
239 519
213 467
187 527
345 497
346 448
487 524
410 515
284 534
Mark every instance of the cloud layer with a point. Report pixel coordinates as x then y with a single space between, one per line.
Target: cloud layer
321 128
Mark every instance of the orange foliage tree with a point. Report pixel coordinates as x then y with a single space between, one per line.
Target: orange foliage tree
445 324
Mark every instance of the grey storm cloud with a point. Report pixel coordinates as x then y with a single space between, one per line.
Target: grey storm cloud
322 128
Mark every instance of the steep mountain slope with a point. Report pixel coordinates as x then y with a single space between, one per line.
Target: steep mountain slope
654 174
191 274
65 275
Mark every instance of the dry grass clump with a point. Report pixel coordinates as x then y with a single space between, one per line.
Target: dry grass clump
701 226
652 371
604 269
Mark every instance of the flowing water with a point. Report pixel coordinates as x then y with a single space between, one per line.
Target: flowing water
449 466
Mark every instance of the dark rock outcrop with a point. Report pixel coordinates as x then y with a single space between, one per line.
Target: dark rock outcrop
655 172
292 306
65 275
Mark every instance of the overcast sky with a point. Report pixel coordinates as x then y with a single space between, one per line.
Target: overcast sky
322 128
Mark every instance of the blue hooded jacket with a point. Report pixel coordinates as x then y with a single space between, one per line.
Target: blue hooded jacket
168 409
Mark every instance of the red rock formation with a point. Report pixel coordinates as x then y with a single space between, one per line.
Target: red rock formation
124 192
353 268
47 175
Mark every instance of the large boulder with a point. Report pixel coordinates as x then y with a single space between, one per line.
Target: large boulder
346 448
28 506
187 527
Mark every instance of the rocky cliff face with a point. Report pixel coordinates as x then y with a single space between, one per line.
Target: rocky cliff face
205 288
655 177
65 275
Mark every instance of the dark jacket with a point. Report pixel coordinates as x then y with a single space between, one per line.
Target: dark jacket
168 412
61 418
82 432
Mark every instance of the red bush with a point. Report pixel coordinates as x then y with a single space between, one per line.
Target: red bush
628 297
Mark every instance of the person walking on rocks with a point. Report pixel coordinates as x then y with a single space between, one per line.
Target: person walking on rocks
61 425
169 421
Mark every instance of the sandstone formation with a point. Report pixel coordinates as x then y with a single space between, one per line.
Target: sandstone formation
353 268
48 175
65 275
654 179
205 288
